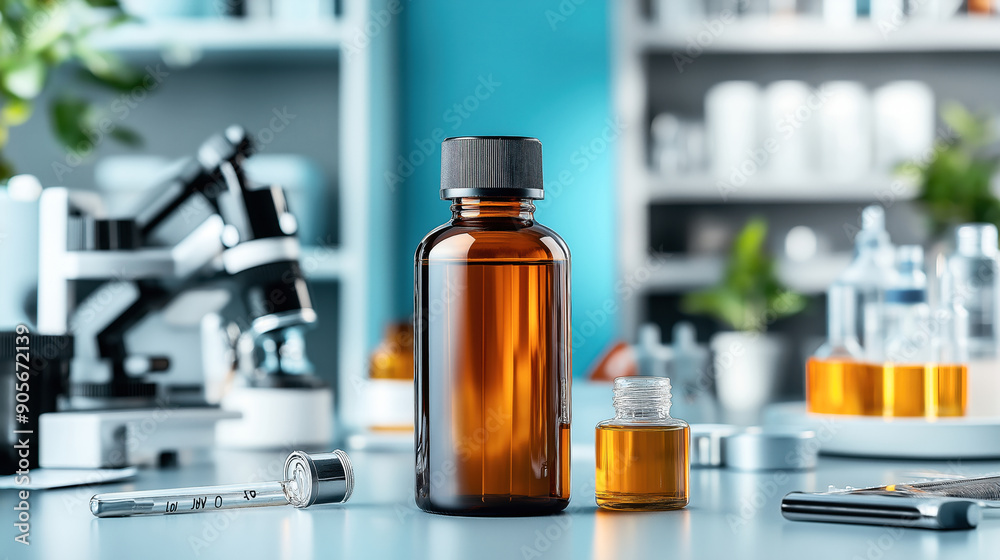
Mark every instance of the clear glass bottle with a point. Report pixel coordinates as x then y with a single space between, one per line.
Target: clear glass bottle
836 379
842 338
492 353
642 453
971 295
866 274
907 334
975 287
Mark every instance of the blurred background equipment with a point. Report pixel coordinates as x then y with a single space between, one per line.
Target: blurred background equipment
41 38
747 363
389 396
835 129
186 70
839 123
206 221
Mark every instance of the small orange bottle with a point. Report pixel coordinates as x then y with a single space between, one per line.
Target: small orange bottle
642 453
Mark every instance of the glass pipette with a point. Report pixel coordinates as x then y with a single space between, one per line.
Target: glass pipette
310 478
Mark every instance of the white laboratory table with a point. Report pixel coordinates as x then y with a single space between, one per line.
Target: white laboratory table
731 515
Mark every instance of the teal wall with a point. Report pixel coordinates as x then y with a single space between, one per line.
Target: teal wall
516 67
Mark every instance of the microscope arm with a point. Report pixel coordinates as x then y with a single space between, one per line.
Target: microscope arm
258 249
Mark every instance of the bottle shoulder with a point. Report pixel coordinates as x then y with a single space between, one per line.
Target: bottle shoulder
493 240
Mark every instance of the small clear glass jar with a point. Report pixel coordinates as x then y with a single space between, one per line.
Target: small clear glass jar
642 453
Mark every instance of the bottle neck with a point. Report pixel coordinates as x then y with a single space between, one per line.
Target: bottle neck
642 413
642 398
487 208
841 307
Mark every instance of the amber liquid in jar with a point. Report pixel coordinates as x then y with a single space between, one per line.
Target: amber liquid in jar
642 453
838 386
492 363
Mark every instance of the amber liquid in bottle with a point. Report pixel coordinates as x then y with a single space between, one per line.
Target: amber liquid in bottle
492 363
642 453
839 386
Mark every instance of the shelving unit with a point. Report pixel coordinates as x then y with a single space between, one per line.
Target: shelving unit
226 36
811 276
802 35
704 189
955 57
358 264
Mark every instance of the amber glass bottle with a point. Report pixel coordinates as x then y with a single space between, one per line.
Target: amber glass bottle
492 354
642 453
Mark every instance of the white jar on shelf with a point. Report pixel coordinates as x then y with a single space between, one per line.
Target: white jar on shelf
845 131
904 122
789 119
732 114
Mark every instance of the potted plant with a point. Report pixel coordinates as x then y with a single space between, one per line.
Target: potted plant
36 38
956 181
747 361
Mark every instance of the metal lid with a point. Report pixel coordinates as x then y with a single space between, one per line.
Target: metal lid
771 448
491 166
319 478
706 443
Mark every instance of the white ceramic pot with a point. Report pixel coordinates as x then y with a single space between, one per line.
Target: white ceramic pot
747 373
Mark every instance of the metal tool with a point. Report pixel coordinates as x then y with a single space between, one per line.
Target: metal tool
938 504
310 478
874 509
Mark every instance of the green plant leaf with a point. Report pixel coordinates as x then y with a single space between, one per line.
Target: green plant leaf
25 77
15 111
6 168
46 26
108 70
973 129
750 293
126 136
125 81
956 182
104 4
69 119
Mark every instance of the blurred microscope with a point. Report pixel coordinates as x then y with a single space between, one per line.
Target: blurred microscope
209 244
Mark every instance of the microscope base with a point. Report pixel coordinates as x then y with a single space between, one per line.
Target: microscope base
277 418
93 439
